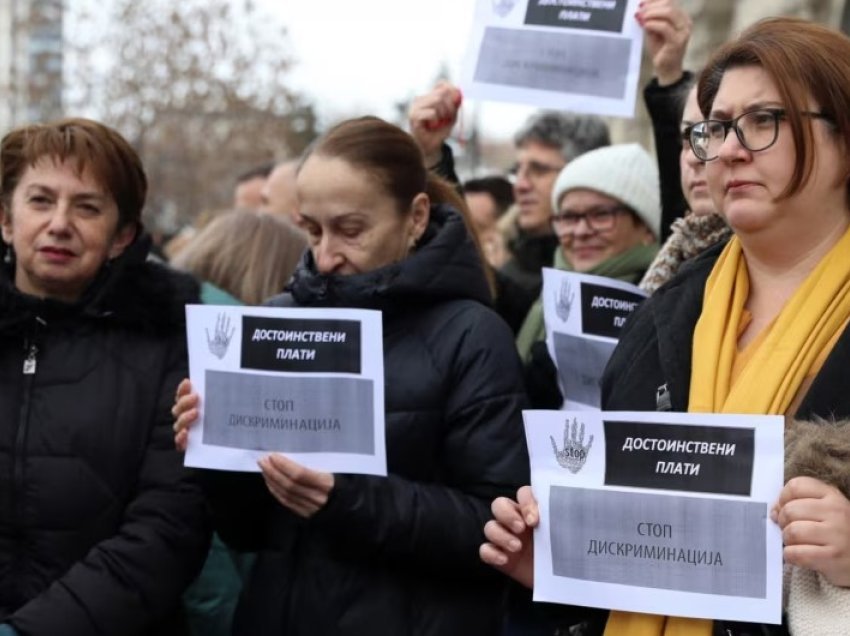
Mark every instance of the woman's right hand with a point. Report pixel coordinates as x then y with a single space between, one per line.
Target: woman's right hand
668 30
432 117
185 412
510 546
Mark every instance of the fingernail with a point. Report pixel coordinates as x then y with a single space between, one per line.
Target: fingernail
514 545
518 526
529 519
501 559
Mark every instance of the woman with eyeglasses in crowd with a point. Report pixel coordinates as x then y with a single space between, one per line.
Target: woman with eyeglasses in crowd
763 317
606 218
689 221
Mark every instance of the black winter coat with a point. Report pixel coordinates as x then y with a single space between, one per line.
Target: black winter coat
665 105
655 350
100 527
399 554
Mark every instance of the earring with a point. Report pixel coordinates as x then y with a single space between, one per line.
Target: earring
9 256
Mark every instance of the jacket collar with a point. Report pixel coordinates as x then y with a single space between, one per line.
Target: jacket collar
130 290
445 266
676 307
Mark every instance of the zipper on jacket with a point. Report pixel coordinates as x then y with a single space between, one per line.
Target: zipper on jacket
662 398
30 360
29 368
19 452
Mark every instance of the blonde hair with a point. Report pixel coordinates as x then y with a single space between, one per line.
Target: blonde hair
250 255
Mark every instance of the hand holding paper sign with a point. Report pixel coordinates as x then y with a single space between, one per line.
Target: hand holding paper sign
296 487
185 413
300 489
510 547
815 522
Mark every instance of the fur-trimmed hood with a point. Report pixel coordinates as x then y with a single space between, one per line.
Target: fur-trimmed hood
130 290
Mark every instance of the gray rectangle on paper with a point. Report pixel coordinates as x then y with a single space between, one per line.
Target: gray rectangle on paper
591 65
580 363
733 529
289 414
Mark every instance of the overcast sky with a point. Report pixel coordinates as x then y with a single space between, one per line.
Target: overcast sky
358 57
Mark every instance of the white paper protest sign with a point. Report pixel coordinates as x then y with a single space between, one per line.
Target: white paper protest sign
584 315
308 383
661 513
579 55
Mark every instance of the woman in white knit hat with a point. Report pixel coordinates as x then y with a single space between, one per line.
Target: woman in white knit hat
606 216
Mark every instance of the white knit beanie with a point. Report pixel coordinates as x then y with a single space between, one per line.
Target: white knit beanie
625 172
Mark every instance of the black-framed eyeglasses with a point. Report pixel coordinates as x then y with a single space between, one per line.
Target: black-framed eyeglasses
598 219
756 130
533 169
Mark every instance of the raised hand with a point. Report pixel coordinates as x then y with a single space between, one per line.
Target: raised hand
432 117
668 30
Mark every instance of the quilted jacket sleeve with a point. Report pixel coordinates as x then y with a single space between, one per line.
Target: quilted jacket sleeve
439 525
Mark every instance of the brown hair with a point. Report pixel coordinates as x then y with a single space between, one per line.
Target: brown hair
112 161
803 59
250 255
393 158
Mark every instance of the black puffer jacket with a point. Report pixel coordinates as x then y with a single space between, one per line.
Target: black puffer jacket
399 555
100 527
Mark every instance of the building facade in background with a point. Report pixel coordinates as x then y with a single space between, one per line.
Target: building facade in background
31 61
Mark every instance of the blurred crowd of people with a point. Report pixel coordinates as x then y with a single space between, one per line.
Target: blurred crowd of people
738 227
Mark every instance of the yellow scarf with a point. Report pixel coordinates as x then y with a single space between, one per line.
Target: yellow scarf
800 335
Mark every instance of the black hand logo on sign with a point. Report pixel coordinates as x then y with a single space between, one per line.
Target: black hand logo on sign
220 340
574 453
564 301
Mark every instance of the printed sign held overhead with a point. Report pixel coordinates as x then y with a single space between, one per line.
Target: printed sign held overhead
579 55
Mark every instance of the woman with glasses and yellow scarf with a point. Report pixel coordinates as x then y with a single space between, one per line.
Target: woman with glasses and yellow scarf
759 324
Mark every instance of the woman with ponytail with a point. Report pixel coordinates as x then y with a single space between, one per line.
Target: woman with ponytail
359 554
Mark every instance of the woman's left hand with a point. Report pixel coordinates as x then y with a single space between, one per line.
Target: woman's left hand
815 522
302 490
